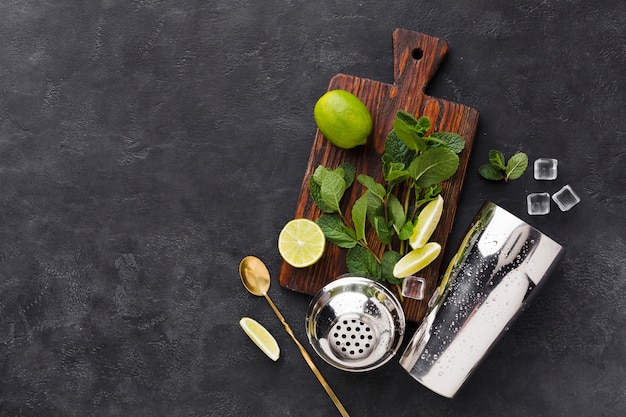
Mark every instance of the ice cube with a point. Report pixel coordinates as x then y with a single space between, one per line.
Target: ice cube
413 287
546 168
538 203
566 198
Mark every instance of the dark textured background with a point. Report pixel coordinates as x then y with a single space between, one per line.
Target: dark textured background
147 146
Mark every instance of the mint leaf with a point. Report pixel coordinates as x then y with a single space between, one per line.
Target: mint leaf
411 130
489 172
433 166
406 231
396 150
332 189
388 261
448 139
396 174
384 233
516 166
335 231
397 216
318 174
375 205
407 118
430 193
496 158
361 261
349 172
498 169
423 124
315 191
420 125
410 138
372 186
327 186
359 217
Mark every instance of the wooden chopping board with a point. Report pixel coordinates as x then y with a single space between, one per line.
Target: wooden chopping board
416 59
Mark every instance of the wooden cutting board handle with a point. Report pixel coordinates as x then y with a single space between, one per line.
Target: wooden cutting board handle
416 58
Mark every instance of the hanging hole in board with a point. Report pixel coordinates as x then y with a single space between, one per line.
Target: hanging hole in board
417 54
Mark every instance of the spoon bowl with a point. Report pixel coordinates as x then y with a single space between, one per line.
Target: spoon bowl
254 275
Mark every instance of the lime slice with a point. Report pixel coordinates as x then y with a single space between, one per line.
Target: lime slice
261 337
301 243
416 260
426 223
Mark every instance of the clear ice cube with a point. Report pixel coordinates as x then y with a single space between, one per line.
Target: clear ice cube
566 198
545 168
538 203
413 287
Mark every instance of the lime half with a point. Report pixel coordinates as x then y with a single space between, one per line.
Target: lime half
301 243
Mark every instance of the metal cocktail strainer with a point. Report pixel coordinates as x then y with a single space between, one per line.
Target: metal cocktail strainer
355 324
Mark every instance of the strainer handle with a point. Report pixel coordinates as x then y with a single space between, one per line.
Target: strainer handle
308 360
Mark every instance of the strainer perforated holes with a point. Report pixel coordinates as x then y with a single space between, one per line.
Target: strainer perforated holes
352 338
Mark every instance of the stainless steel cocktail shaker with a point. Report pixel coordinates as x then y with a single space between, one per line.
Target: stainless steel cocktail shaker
498 267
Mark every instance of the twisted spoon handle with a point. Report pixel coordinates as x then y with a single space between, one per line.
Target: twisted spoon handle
308 360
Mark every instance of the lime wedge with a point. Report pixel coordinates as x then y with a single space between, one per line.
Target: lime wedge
261 337
416 260
301 243
426 223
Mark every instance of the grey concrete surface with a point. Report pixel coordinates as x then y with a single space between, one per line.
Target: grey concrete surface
147 146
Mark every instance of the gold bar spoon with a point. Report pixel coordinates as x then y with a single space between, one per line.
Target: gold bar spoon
256 278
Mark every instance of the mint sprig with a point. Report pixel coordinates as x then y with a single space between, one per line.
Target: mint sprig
327 186
499 169
413 166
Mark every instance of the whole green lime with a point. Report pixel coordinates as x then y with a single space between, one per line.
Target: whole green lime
343 119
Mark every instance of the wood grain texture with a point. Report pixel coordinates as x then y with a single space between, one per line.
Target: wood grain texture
416 59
